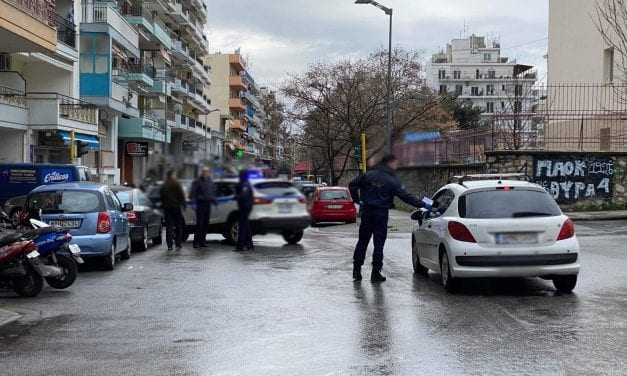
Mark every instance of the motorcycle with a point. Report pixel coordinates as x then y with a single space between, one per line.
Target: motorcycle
19 265
59 258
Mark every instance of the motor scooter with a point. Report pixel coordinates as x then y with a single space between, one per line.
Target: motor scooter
19 265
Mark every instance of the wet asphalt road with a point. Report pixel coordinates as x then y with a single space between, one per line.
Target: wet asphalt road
293 310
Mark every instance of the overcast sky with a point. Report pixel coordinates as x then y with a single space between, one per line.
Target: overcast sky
281 36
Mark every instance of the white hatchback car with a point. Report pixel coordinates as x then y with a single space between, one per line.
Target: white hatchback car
495 228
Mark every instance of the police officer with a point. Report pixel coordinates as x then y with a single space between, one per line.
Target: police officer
203 193
245 201
376 190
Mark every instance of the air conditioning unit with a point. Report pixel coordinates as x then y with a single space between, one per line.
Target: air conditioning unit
5 62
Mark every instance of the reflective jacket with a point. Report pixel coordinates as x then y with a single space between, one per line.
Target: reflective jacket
378 187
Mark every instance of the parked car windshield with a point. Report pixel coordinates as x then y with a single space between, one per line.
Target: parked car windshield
277 188
334 195
513 203
61 202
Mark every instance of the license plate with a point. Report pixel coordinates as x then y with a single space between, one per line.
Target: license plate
75 249
285 208
517 238
65 223
335 206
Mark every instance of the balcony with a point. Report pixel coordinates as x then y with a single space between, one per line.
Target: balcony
237 82
104 18
252 99
162 35
201 72
66 31
238 124
140 76
29 26
237 61
13 108
144 128
56 111
178 14
182 53
237 105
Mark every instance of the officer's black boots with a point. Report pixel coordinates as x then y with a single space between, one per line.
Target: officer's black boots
356 273
376 276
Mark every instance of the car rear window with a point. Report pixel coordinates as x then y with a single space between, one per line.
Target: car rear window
334 195
66 202
510 203
277 188
125 197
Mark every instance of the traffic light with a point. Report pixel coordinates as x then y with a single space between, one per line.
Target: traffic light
239 154
357 153
82 148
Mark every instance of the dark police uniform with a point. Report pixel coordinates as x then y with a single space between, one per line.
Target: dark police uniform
203 192
245 201
376 191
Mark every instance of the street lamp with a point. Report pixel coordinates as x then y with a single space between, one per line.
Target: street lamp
388 125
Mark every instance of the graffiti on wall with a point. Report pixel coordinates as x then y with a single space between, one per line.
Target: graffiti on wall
573 179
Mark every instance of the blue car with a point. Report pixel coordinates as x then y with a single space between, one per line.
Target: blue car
93 214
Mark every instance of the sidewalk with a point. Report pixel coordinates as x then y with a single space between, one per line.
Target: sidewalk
7 317
598 216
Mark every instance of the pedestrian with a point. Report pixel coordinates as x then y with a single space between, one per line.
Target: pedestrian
245 201
375 191
203 194
172 203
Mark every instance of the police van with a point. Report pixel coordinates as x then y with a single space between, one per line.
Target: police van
279 208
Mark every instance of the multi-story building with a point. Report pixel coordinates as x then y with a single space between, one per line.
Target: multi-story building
474 71
235 96
41 117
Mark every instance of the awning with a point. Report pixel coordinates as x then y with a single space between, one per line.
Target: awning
91 141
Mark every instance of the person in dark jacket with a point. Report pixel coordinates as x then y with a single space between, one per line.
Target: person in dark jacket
172 203
375 191
245 202
203 193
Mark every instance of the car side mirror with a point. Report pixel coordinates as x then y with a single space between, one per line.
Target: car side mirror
417 215
127 207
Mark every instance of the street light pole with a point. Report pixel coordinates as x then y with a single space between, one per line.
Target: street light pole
388 111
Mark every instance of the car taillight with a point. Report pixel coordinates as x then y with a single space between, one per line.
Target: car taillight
262 201
302 200
460 232
132 217
567 231
104 223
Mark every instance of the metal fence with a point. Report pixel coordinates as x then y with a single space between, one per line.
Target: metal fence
564 117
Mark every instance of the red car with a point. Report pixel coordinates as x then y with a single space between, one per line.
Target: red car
332 204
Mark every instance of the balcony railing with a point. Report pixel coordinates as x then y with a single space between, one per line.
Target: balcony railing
66 30
12 97
142 68
107 13
39 9
68 107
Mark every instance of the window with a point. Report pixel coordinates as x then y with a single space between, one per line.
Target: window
65 202
503 88
334 195
489 90
515 203
87 63
477 74
489 108
277 189
441 74
518 90
491 74
142 199
442 200
474 91
112 201
503 106
457 75
487 57
101 64
443 89
125 196
225 190
459 90
608 64
517 106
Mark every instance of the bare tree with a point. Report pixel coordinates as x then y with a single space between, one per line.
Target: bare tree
610 19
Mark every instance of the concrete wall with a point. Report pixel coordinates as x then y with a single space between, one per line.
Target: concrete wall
219 89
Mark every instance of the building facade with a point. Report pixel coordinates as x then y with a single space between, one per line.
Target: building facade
240 115
42 118
474 71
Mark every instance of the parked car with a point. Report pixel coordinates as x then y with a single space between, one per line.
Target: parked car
145 220
18 179
93 214
332 204
495 228
279 208
307 188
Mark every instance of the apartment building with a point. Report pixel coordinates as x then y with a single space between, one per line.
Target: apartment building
235 96
42 118
474 71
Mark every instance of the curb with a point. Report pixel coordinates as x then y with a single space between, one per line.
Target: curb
7 317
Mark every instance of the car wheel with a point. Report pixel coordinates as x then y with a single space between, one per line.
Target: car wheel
126 254
565 284
231 232
109 260
70 271
158 240
448 281
415 259
142 245
293 237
